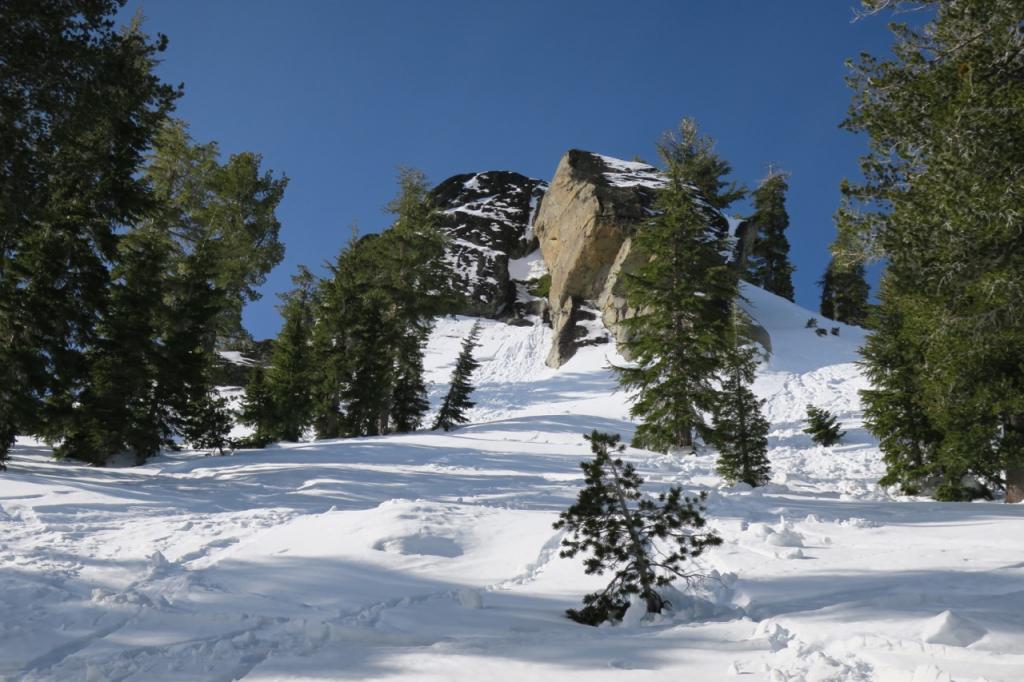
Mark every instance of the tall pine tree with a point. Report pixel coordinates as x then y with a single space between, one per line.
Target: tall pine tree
678 339
79 105
768 265
456 401
844 293
291 373
940 202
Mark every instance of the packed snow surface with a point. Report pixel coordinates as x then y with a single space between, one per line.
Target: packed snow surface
431 556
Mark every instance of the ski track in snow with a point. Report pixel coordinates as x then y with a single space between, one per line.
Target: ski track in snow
431 556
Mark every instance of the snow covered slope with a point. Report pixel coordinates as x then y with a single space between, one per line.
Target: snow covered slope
431 556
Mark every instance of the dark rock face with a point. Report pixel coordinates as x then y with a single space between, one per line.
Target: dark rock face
488 218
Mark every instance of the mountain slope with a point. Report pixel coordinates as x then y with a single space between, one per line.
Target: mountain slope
430 556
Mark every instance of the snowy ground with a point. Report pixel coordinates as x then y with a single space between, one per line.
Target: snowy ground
431 556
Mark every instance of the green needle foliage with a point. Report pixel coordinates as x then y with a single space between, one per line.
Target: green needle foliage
823 427
456 401
941 204
618 526
740 431
768 266
682 294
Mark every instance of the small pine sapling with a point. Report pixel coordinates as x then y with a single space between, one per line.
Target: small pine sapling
823 426
821 332
740 431
812 323
456 402
835 331
209 423
618 525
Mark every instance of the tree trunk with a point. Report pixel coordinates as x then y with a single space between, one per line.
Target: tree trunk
1015 484
1015 465
654 602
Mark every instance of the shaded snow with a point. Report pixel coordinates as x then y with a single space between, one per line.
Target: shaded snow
431 556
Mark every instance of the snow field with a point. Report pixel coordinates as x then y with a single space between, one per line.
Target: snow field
431 556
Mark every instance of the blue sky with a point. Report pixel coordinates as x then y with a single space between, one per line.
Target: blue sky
338 94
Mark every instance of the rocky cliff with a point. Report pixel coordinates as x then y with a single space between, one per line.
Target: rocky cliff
582 227
488 218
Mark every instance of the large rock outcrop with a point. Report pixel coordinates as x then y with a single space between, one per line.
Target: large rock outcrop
584 225
488 218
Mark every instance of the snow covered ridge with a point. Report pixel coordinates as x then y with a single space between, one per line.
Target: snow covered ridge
431 556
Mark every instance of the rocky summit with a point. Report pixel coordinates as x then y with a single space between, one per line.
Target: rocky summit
522 247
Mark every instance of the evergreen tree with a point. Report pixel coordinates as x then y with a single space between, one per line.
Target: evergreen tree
258 409
618 526
705 169
291 373
683 294
768 266
376 314
209 422
79 104
893 406
740 431
844 294
231 205
823 427
456 401
940 202
118 409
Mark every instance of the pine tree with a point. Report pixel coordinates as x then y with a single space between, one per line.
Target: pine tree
768 266
258 410
376 313
118 409
740 431
79 104
291 373
893 407
940 203
823 427
705 169
683 293
209 422
844 294
619 527
231 205
456 401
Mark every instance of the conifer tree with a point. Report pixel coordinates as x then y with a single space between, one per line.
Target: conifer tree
683 293
456 401
769 266
119 408
231 205
644 541
940 203
291 373
893 407
376 314
823 427
740 431
208 423
258 409
79 104
705 169
844 294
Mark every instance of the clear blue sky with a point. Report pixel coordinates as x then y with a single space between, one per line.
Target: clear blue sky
337 94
